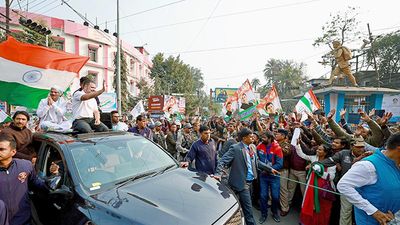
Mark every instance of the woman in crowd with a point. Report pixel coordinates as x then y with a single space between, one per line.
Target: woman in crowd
317 204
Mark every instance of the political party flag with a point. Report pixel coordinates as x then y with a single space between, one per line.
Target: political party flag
4 118
28 71
229 107
308 103
273 98
245 96
138 109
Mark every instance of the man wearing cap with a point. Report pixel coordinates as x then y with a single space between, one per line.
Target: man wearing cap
51 111
203 151
117 125
184 141
346 158
158 135
281 136
372 185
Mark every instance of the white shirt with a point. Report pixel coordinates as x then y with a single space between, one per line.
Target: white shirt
361 174
83 109
120 126
53 113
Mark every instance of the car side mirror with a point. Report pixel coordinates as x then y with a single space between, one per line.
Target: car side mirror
63 191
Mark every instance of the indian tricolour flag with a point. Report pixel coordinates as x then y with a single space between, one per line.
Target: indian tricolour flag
4 118
308 103
28 71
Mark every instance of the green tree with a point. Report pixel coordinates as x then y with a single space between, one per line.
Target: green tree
255 83
287 76
145 89
126 97
172 76
342 26
387 52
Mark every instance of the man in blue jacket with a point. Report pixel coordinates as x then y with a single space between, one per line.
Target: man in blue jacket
15 176
372 185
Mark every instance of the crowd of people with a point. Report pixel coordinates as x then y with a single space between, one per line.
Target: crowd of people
345 174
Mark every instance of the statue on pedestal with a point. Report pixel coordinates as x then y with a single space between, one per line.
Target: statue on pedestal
342 56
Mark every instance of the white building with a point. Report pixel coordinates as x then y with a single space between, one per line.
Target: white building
98 45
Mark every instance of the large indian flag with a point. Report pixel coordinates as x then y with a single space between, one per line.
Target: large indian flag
308 103
28 71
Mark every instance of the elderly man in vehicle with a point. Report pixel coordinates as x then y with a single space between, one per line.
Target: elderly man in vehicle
51 111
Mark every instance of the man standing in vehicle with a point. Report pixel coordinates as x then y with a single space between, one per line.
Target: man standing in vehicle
85 110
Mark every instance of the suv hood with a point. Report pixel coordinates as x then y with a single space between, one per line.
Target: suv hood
178 196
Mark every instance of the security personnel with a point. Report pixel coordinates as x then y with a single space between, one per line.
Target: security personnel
15 176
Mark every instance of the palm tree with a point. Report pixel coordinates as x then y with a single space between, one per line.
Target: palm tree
255 83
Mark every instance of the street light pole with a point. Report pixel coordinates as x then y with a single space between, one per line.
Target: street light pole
118 63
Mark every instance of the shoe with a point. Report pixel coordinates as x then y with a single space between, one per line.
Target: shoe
262 219
276 218
284 213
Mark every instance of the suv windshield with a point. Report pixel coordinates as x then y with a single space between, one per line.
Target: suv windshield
110 160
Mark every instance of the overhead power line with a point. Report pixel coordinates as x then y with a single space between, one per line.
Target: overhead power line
219 16
137 13
204 24
39 9
238 47
50 9
39 3
148 10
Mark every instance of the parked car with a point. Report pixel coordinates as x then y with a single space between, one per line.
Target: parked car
122 178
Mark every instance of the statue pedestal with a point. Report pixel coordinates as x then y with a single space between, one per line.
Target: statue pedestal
352 98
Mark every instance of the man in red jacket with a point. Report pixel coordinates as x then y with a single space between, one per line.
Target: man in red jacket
270 153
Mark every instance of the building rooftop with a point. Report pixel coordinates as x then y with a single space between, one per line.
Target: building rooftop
356 90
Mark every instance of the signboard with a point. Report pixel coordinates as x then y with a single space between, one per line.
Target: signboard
108 102
156 104
391 103
182 105
222 94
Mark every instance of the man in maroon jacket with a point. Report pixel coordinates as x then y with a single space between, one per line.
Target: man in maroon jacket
22 136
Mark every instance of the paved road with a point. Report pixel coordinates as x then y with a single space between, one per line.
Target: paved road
291 219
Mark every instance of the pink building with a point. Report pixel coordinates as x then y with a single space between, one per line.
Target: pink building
98 45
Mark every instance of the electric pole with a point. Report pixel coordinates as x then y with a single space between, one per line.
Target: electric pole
8 4
118 64
371 40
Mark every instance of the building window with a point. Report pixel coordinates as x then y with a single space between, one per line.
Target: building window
92 52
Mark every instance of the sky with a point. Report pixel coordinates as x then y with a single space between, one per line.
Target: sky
229 40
